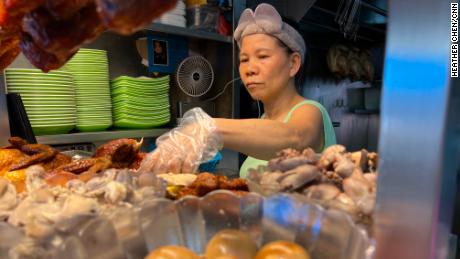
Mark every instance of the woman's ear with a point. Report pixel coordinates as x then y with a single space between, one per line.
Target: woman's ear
296 62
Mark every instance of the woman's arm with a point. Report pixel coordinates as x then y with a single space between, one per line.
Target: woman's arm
261 138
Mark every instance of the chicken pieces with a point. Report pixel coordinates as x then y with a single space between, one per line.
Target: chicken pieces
207 182
59 168
50 32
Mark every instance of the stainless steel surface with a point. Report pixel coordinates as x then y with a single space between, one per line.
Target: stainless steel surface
4 122
156 27
418 147
102 136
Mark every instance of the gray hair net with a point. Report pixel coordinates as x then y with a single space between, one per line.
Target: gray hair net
265 19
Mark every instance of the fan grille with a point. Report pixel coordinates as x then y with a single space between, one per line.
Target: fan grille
195 76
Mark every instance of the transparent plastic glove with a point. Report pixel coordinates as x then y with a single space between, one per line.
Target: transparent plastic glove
184 148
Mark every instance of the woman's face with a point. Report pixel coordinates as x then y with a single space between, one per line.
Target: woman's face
265 66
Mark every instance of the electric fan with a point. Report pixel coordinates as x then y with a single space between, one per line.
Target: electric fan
194 76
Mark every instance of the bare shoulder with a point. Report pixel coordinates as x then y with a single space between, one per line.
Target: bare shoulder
307 119
306 115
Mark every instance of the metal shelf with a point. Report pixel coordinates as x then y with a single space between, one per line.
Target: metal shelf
86 137
192 33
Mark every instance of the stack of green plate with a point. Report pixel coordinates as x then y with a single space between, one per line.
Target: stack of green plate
140 102
90 69
49 98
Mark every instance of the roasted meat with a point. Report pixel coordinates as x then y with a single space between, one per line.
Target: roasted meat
121 152
65 9
207 182
52 40
9 157
59 168
37 153
52 31
20 7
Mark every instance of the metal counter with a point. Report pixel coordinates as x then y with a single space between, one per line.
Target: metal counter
418 140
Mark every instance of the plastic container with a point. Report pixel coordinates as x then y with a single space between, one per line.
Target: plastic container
203 17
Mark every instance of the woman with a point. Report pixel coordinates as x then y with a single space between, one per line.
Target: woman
271 55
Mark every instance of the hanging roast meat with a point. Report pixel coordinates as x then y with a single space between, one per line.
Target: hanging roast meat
49 32
354 64
337 57
367 66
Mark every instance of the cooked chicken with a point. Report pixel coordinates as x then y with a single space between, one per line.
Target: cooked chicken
9 157
59 168
207 182
52 31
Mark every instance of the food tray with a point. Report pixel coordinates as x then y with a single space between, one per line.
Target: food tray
191 222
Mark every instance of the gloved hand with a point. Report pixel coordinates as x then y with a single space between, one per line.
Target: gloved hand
184 148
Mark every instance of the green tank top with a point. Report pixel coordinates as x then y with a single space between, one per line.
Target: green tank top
329 136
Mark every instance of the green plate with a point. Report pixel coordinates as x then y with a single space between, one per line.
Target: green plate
150 105
93 104
144 118
57 97
45 109
35 122
52 118
34 70
39 102
100 59
95 123
35 79
41 93
136 125
139 86
107 115
40 86
139 94
95 116
152 88
91 128
95 107
52 129
87 62
93 90
49 106
141 110
140 99
129 78
92 96
149 92
56 113
141 82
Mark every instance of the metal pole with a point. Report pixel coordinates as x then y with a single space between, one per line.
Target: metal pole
418 140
